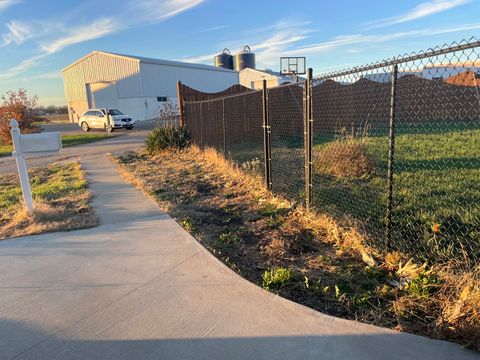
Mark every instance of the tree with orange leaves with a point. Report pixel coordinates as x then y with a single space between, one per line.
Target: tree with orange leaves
17 105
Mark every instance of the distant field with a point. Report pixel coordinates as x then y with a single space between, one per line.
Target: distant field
67 140
58 118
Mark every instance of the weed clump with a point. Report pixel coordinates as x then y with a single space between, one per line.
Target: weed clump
345 158
276 278
187 224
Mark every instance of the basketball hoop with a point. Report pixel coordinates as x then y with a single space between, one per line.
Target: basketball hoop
293 66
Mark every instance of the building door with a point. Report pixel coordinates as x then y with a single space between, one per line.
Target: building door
102 95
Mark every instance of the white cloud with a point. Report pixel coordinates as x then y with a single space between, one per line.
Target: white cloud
326 46
420 11
95 30
23 66
18 32
7 3
17 79
48 75
268 42
92 31
154 11
283 43
137 12
213 28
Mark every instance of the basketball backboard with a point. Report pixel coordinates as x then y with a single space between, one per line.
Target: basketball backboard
293 65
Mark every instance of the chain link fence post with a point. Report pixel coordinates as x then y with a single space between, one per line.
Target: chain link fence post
180 104
201 126
224 130
266 138
391 155
308 124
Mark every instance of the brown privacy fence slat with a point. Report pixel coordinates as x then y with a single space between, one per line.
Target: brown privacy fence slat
189 94
391 148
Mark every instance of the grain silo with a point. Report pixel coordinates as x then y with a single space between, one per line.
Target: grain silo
244 59
224 59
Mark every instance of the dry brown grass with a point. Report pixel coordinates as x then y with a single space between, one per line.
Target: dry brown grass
252 230
61 202
345 158
459 299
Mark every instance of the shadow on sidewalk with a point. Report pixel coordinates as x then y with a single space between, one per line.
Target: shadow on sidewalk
22 341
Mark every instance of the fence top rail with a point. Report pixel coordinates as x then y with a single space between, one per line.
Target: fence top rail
223 98
300 84
446 49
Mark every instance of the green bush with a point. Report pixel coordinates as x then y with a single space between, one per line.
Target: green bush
162 138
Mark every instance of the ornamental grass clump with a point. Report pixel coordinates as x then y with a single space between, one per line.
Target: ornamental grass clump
162 138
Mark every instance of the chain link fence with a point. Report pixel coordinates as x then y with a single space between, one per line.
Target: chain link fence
286 120
233 125
391 148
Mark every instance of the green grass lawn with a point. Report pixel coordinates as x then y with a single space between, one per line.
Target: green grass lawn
61 200
5 150
67 140
436 181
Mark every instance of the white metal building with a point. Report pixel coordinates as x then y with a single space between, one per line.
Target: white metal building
253 78
135 85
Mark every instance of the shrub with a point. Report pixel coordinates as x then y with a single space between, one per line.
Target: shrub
276 278
167 115
162 138
345 158
17 105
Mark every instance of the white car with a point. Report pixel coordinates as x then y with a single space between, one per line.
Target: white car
108 119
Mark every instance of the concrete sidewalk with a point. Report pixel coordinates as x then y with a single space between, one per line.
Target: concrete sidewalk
140 287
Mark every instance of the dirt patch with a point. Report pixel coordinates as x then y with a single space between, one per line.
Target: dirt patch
303 256
61 197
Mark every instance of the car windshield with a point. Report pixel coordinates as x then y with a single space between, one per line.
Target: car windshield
114 112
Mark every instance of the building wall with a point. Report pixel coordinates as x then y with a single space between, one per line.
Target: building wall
467 78
258 84
95 69
251 79
138 84
161 80
142 108
432 72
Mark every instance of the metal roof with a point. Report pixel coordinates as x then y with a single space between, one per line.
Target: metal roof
146 60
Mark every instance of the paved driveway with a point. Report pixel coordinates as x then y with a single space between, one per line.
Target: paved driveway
121 139
68 128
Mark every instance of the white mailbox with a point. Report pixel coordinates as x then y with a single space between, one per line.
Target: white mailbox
24 144
43 142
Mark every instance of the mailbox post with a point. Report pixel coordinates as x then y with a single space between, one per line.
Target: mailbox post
31 144
21 165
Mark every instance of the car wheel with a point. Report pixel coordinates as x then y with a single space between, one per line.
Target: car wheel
85 126
129 128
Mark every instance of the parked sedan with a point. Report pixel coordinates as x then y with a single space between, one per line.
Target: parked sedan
108 119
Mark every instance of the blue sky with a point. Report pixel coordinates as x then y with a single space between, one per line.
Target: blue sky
40 37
